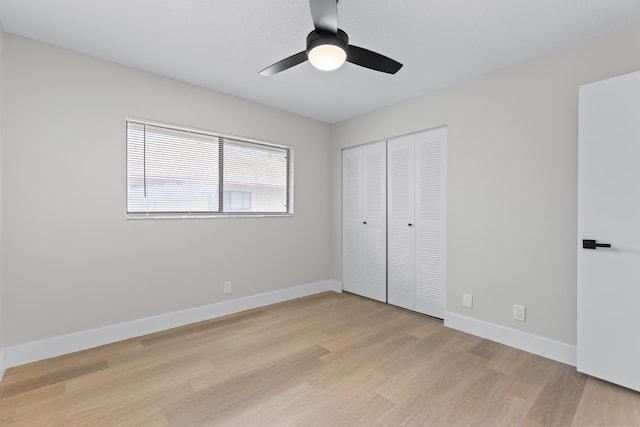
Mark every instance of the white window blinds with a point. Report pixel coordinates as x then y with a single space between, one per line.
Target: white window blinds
173 171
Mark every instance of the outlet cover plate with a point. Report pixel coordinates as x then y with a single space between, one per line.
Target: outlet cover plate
519 312
467 300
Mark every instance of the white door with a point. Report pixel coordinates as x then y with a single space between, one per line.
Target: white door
400 159
416 194
430 182
374 283
364 201
609 213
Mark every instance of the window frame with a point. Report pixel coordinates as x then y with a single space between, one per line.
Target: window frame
221 137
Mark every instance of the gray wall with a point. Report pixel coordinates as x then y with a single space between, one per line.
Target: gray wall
73 261
512 180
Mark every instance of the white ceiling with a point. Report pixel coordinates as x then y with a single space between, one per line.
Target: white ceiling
223 44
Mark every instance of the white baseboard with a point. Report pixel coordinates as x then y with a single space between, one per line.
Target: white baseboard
336 286
38 350
3 358
535 344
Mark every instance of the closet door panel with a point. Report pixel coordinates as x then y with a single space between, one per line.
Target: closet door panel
400 215
364 221
375 222
430 231
352 236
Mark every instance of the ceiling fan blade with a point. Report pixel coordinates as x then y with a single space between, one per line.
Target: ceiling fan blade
325 15
285 64
375 61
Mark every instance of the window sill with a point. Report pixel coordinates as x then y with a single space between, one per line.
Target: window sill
205 216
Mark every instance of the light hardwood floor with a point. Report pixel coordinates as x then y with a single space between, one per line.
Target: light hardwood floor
325 360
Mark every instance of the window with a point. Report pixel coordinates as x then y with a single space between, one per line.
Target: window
174 171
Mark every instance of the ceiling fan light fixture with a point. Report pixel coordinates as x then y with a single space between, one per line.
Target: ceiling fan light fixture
327 57
327 51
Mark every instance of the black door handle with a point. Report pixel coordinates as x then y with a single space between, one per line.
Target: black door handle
410 225
592 244
364 222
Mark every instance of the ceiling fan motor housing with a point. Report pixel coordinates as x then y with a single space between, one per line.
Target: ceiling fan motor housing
319 38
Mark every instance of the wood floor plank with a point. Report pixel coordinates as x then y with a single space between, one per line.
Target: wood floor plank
51 378
325 360
280 409
225 398
424 328
424 397
36 370
507 411
434 364
558 401
486 349
531 375
506 360
41 394
479 397
352 408
7 416
604 404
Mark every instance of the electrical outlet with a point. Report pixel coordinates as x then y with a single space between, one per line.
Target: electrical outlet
227 287
519 312
467 300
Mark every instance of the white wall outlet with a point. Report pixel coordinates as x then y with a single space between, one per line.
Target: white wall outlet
519 312
467 300
227 287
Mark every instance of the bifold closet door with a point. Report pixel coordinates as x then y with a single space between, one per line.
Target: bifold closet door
401 165
416 231
430 180
364 220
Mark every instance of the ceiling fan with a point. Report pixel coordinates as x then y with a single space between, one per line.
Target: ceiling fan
328 46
